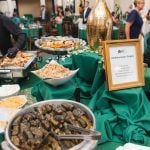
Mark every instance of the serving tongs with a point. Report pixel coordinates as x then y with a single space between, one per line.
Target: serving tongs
86 134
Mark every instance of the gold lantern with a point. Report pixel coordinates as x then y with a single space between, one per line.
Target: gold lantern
99 25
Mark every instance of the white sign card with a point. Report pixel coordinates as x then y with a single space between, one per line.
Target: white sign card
123 60
123 64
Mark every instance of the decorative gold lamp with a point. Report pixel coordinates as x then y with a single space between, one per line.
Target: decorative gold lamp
99 25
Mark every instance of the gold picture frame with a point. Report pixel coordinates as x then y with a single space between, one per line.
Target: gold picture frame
123 60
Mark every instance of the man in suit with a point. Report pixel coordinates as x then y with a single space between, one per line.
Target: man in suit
86 12
45 16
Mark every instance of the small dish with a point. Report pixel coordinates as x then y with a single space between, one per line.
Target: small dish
15 102
9 90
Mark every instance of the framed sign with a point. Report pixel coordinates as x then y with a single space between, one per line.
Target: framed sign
123 60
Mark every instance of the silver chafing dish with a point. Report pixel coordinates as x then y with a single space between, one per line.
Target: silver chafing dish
11 72
84 145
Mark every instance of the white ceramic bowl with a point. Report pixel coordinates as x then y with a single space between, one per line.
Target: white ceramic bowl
57 81
9 90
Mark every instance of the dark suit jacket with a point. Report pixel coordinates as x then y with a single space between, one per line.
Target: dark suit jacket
46 17
86 15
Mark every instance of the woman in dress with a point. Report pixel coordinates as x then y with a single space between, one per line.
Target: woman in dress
59 18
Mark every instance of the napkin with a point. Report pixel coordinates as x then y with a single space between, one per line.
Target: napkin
131 146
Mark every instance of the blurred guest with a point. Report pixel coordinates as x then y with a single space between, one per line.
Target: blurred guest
60 9
134 22
146 23
59 18
114 18
8 28
44 14
128 11
81 9
72 9
67 12
86 12
16 18
148 15
67 15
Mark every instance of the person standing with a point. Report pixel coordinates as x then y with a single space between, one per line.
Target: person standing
86 12
134 21
45 16
59 18
114 18
7 29
16 18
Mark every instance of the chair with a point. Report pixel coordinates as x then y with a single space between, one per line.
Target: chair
67 28
27 35
50 29
33 35
53 30
121 27
29 17
47 27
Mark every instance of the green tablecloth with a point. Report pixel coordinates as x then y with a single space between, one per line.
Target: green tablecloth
147 79
87 79
60 29
32 32
122 116
82 33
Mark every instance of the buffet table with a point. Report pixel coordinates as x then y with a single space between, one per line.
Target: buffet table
93 92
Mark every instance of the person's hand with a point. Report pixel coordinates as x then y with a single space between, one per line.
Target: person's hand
12 52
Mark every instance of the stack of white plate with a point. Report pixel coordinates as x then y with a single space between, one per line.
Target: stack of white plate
9 90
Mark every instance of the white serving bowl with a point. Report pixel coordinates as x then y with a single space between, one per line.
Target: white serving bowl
9 90
57 81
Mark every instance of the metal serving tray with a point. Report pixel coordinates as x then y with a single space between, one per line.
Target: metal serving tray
58 51
11 72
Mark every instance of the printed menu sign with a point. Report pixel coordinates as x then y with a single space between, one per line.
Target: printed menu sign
123 60
123 64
